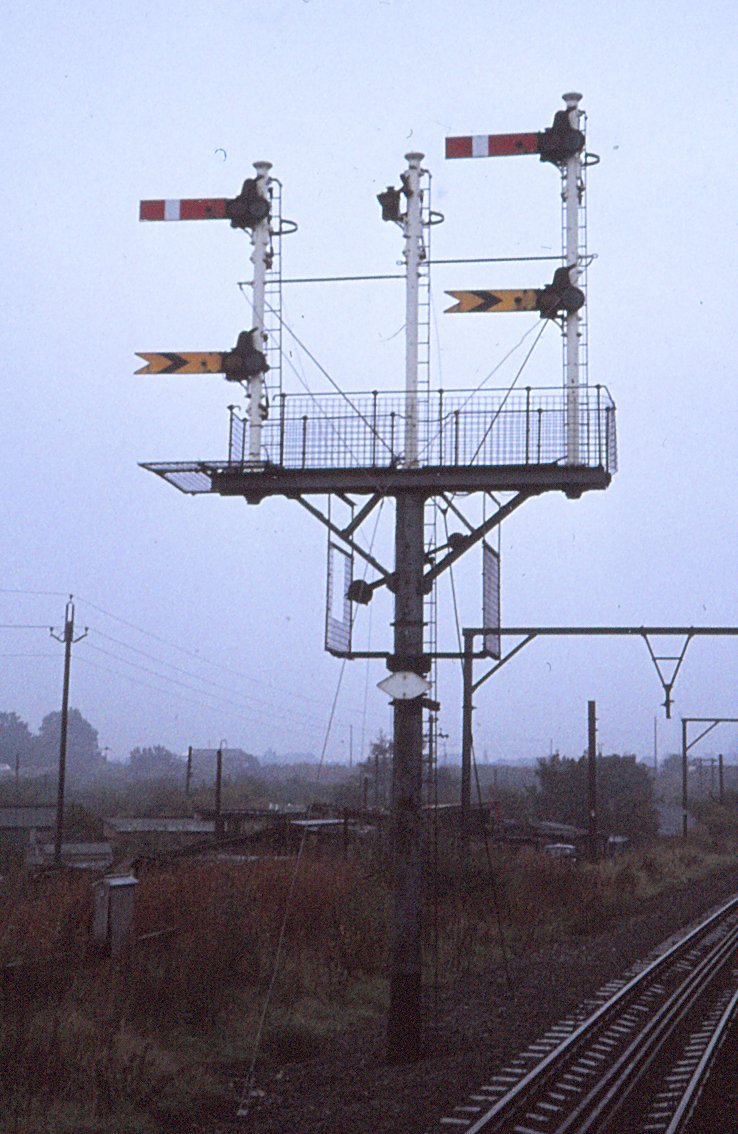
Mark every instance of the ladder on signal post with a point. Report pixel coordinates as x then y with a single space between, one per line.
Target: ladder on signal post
273 296
582 265
430 604
238 425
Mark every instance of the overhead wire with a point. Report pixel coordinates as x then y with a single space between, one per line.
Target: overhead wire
193 654
205 681
24 626
214 708
20 591
244 710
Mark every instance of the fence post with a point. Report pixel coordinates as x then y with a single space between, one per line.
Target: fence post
527 425
456 437
304 438
540 429
440 428
599 424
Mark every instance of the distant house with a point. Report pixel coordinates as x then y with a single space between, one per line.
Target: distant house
235 762
20 827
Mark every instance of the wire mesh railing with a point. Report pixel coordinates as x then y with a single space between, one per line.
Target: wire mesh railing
481 428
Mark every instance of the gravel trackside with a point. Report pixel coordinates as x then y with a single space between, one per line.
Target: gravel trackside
347 1088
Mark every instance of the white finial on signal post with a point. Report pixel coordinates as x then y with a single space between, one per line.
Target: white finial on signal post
571 194
413 233
260 238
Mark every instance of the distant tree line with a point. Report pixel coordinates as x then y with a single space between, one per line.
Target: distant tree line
38 753
625 797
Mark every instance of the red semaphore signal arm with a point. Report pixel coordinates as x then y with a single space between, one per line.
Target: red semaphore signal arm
198 208
492 145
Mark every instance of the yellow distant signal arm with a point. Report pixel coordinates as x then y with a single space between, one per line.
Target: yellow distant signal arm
560 295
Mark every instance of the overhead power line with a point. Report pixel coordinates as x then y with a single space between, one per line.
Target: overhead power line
201 658
198 700
251 698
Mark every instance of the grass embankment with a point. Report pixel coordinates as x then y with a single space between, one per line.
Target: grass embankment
88 1044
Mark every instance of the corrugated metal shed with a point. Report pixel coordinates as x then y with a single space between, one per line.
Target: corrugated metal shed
83 856
126 825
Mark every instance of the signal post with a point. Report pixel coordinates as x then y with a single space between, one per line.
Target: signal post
443 442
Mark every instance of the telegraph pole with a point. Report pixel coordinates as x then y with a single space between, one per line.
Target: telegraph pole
188 773
685 786
592 781
69 640
218 790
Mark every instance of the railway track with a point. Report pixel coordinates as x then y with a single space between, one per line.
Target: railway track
636 1057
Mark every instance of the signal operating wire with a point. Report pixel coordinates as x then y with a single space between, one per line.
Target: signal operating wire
509 391
401 275
325 374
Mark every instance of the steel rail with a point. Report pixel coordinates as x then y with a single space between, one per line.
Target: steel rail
693 1091
599 1109
509 1108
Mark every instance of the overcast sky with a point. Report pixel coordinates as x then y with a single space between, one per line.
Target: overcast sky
206 616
